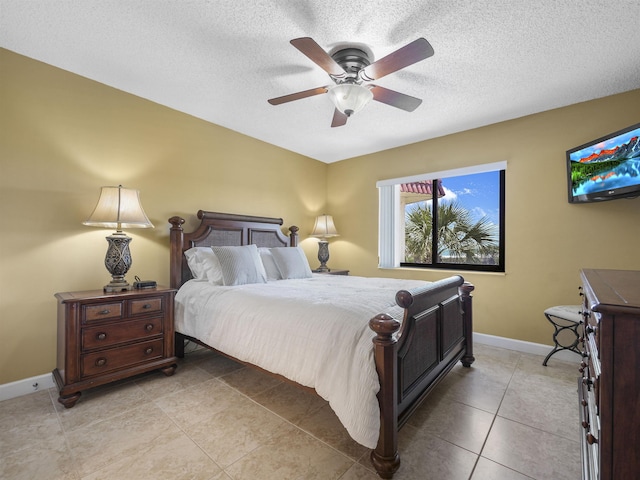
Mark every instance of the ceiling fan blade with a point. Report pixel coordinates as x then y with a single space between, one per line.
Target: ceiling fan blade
316 54
408 55
339 118
297 96
395 99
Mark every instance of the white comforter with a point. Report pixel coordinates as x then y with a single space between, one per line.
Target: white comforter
314 331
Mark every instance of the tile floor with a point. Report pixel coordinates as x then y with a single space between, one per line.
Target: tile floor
507 417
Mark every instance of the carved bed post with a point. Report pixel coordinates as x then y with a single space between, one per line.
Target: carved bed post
465 297
385 457
293 236
176 240
176 235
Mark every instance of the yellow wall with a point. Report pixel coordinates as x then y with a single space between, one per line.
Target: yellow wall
62 137
548 240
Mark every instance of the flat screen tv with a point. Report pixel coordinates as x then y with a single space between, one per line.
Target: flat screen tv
606 168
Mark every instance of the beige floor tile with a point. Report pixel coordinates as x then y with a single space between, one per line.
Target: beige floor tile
464 426
221 476
156 384
199 402
425 456
290 402
249 381
544 398
170 456
101 403
213 363
131 433
27 419
358 472
49 459
182 425
488 470
324 425
230 434
533 452
291 454
483 384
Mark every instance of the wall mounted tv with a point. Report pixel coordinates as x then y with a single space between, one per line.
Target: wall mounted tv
606 168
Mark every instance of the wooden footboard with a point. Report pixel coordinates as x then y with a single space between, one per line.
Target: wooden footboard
412 357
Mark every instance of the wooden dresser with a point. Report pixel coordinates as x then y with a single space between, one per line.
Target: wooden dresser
609 388
104 337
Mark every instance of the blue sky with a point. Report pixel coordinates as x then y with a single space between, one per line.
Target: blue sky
479 193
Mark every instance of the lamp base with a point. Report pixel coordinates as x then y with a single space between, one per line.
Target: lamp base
118 262
117 286
323 256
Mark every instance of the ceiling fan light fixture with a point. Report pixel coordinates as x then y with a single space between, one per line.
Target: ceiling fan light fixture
350 98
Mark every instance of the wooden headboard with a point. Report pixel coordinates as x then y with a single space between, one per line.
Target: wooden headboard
223 229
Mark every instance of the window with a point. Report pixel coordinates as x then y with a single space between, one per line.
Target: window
451 220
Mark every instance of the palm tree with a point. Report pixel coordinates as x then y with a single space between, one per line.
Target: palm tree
460 239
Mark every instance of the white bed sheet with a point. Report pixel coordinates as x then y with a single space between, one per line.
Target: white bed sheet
314 331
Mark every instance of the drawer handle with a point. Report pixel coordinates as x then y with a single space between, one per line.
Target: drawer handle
101 362
148 351
146 306
101 336
104 312
148 327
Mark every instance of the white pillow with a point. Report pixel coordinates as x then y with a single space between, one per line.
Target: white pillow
240 265
204 264
269 263
291 262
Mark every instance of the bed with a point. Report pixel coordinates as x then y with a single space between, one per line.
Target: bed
393 340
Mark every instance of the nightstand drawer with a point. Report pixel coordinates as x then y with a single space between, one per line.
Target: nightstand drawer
148 305
107 360
119 332
103 311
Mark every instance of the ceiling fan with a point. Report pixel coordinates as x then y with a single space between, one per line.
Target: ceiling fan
351 69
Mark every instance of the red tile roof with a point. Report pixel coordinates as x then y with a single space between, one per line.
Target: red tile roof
423 187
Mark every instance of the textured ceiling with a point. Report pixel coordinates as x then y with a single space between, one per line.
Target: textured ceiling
220 60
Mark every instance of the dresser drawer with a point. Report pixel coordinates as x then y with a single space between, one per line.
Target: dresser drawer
120 332
590 433
592 331
113 359
147 305
103 311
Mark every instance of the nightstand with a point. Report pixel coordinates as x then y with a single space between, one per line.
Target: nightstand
104 337
333 272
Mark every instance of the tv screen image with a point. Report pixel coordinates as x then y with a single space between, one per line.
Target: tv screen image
605 168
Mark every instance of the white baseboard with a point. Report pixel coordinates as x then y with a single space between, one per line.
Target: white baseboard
524 347
30 385
25 386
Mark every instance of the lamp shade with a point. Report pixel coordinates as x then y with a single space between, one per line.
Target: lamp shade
350 98
118 208
324 227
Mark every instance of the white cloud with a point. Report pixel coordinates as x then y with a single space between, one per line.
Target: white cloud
449 195
478 211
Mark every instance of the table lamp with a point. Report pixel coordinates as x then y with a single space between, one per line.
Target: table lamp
323 229
118 208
